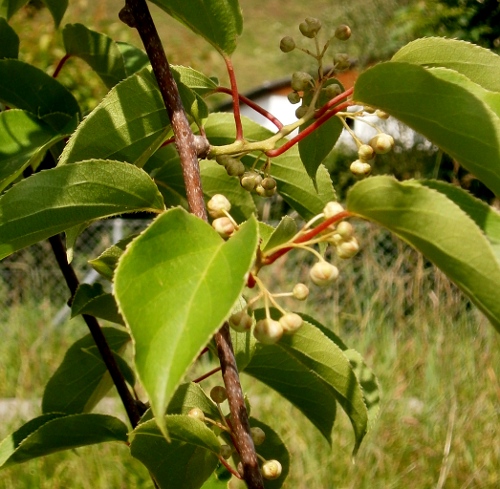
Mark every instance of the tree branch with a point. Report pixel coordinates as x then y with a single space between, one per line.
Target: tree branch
136 14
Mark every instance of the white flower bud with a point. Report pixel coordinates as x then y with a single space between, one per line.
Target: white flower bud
241 321
300 291
224 226
332 209
291 322
271 470
347 249
217 205
323 273
268 331
382 143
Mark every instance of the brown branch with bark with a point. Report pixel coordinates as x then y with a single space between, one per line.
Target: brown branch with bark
190 147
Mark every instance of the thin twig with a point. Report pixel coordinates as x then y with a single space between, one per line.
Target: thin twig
190 147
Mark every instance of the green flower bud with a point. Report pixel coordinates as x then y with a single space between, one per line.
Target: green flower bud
332 90
343 32
301 111
271 470
258 435
293 98
341 61
218 394
323 273
300 291
250 180
291 322
269 183
301 80
268 331
310 27
217 205
235 168
287 44
225 451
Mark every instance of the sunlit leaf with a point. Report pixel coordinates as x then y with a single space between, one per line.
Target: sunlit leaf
175 285
51 201
439 228
286 230
134 59
93 300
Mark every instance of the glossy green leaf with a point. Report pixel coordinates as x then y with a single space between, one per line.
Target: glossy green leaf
194 79
98 50
273 448
175 285
9 7
82 380
186 461
129 123
219 21
213 482
314 148
57 9
107 261
437 227
24 139
448 114
486 217
25 87
9 40
189 396
134 59
312 372
51 201
294 185
52 433
92 300
286 230
480 65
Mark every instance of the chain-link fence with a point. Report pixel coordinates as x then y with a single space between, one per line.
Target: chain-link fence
386 279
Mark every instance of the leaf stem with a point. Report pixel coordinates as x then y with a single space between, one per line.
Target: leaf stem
60 65
235 95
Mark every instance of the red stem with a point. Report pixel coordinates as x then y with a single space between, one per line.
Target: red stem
236 101
60 65
331 103
207 375
308 130
253 105
307 236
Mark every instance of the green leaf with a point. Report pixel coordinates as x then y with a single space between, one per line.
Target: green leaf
51 201
286 230
129 123
175 285
98 50
294 185
92 300
448 114
314 148
478 64
183 463
53 433
273 448
57 9
107 261
24 139
82 379
134 59
189 396
437 227
312 372
25 87
194 79
9 7
9 40
213 482
219 21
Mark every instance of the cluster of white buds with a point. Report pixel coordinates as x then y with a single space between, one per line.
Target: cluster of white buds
218 208
380 144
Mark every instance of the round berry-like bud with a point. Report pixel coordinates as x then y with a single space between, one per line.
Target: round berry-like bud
323 273
366 153
235 168
347 249
271 470
268 331
241 321
293 98
343 32
382 143
224 226
250 180
258 435
345 230
301 80
225 451
287 44
224 160
360 168
300 291
332 90
332 209
381 114
341 61
218 394
310 27
269 183
301 111
197 413
291 322
217 205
